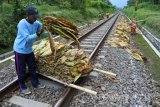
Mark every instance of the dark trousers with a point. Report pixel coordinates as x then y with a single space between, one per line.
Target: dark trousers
21 60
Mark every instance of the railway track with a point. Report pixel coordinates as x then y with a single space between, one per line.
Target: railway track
91 42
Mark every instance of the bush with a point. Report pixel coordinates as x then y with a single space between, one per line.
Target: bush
8 25
66 4
7 32
6 9
153 22
91 12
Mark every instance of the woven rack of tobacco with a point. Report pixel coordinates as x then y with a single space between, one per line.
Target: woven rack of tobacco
58 59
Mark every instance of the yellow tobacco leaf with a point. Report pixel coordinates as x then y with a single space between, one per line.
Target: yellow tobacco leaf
116 34
46 53
63 59
77 77
80 52
122 44
119 32
70 58
71 64
34 47
74 73
71 52
44 49
125 37
59 46
135 54
41 44
113 42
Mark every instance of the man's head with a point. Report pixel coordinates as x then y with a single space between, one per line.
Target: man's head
32 14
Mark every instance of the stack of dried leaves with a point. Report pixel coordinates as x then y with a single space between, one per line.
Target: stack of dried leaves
137 55
67 65
122 40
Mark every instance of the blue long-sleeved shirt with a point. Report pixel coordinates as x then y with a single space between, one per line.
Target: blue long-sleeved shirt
26 36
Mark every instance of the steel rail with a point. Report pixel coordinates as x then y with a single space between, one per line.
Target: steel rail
94 52
11 86
69 92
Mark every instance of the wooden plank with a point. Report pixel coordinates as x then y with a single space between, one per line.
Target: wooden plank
83 89
73 85
106 72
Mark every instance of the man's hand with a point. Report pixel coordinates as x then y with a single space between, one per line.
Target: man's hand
40 32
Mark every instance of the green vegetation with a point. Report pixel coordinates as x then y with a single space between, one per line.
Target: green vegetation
153 60
147 11
76 11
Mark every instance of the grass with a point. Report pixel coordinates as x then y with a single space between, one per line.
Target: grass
153 60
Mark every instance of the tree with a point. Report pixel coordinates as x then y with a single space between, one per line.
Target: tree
136 4
77 3
130 2
19 11
156 1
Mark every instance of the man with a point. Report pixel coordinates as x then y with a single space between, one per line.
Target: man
28 29
133 25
